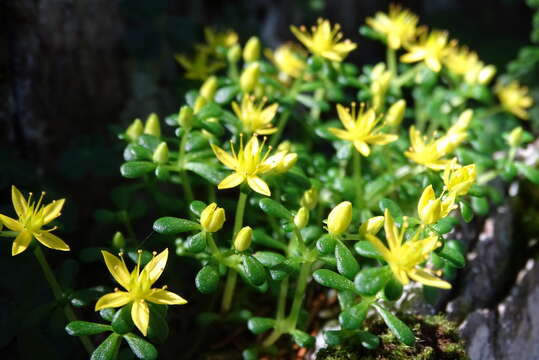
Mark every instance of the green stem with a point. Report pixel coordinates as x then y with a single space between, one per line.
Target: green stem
280 128
58 295
358 183
9 233
274 336
300 293
232 275
213 247
185 178
392 61
281 301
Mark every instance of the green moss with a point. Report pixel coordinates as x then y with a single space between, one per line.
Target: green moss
437 340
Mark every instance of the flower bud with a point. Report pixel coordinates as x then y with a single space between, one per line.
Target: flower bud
242 241
207 90
395 114
249 77
459 180
301 219
234 54
135 130
429 208
515 137
339 218
251 51
309 199
152 126
212 218
118 240
284 146
160 155
199 104
286 163
463 121
185 116
486 74
372 226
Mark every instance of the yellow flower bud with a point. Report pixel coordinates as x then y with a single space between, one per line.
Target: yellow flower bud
243 240
339 218
160 155
284 146
372 226
515 137
486 74
395 114
249 77
234 54
152 126
301 219
459 180
135 130
429 207
212 218
285 163
251 52
185 116
309 199
199 104
207 90
118 240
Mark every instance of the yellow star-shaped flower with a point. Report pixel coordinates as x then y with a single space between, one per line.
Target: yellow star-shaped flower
200 67
247 163
404 258
288 59
254 117
515 99
431 48
324 40
138 286
32 216
426 152
361 129
399 26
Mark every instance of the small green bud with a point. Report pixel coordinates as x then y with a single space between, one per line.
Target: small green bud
249 77
199 103
212 218
118 240
185 116
251 52
515 137
302 218
395 114
152 126
160 155
135 130
234 54
310 199
243 240
209 87
339 218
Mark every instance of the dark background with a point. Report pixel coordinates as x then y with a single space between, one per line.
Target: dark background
74 73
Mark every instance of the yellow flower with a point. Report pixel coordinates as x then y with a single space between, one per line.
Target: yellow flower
139 288
459 180
199 67
399 26
216 41
32 216
514 98
380 83
254 117
431 48
361 129
247 164
324 40
461 61
212 218
339 218
456 134
431 209
288 60
428 154
404 258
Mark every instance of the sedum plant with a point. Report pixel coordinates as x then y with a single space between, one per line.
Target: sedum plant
292 167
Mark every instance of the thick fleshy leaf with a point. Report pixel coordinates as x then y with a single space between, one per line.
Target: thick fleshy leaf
140 313
397 327
21 242
141 348
333 280
117 269
112 300
78 328
274 208
108 349
51 241
164 297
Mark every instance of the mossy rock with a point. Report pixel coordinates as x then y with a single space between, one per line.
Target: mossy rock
437 339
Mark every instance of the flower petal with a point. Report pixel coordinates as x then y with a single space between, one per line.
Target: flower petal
52 210
10 223
267 131
362 147
140 313
341 134
161 296
345 117
228 160
381 139
380 247
425 278
258 185
112 300
51 241
117 269
21 242
155 267
231 181
391 231
427 196
19 202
